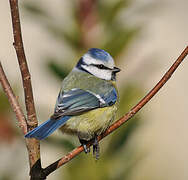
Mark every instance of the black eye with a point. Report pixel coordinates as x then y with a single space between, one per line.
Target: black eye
101 66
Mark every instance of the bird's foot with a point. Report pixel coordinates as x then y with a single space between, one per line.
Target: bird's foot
84 144
96 148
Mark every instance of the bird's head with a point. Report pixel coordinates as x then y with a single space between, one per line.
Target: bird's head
98 63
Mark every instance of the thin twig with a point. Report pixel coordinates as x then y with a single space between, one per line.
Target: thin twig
21 119
26 77
123 119
33 144
13 100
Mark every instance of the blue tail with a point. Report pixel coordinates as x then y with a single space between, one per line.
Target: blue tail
46 128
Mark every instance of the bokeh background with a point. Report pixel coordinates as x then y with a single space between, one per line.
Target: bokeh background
144 37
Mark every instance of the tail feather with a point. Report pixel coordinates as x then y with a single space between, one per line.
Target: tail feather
46 128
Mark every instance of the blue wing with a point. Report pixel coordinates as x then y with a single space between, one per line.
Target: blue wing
110 97
76 101
72 102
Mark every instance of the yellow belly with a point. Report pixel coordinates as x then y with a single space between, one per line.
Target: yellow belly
91 123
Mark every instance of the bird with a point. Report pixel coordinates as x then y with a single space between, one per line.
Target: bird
87 102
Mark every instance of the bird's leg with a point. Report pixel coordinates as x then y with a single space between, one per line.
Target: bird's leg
84 144
96 148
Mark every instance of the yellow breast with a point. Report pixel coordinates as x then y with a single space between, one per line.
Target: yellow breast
90 123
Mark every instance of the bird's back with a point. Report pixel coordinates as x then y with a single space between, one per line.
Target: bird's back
88 82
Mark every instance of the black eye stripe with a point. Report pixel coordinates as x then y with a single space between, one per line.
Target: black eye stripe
101 66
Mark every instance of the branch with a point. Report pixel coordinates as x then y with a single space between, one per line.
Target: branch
32 144
123 119
26 77
13 100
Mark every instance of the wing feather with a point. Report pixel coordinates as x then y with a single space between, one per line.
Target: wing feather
77 101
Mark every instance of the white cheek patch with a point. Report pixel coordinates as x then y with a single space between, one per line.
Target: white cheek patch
100 73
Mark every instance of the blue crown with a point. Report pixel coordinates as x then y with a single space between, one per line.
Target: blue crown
99 54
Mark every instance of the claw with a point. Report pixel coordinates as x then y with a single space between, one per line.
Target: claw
84 144
85 148
96 148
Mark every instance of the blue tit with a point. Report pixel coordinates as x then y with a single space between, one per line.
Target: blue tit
87 102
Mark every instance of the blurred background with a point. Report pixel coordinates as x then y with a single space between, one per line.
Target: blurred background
144 37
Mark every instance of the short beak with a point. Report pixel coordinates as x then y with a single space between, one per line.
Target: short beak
116 70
